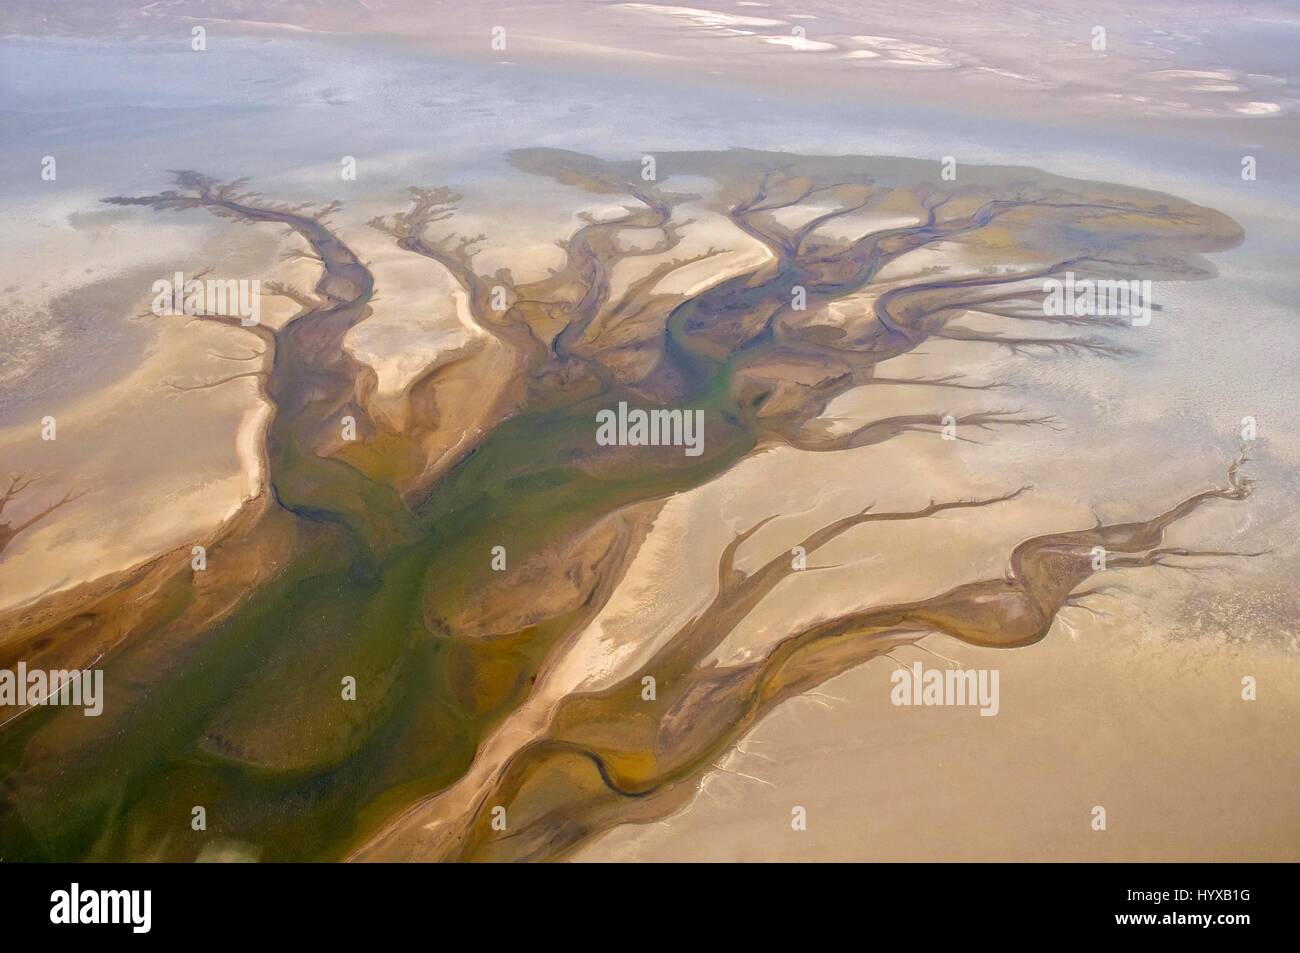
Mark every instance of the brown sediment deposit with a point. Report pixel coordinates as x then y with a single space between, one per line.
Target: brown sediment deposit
456 540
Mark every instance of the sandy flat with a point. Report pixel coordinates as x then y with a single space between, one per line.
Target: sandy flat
155 467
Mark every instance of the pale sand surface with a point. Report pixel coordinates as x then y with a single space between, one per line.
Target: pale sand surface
882 216
418 315
1125 717
707 230
156 468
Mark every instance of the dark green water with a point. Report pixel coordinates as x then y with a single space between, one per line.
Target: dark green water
248 720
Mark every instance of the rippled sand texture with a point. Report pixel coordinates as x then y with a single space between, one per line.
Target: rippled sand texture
481 689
